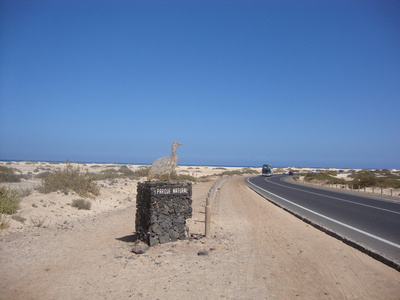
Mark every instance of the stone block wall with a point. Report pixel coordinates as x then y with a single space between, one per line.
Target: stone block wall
162 208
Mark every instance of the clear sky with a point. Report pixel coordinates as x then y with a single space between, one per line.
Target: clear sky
242 83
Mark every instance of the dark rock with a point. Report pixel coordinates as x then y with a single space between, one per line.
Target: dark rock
153 240
174 235
202 252
140 248
197 236
164 238
156 228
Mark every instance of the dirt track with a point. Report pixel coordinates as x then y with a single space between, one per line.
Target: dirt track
257 251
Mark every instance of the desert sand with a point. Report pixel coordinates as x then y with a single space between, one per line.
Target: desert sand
256 250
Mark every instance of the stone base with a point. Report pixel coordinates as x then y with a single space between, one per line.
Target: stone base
162 208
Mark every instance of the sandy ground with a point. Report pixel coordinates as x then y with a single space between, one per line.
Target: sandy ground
257 251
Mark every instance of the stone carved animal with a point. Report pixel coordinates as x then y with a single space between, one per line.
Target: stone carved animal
164 165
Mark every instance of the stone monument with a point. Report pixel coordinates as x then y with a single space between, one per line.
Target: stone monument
162 207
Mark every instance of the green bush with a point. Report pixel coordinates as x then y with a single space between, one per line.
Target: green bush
69 179
364 179
81 204
9 201
388 183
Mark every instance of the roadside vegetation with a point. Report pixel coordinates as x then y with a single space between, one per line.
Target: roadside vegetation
239 172
243 171
381 178
323 178
362 179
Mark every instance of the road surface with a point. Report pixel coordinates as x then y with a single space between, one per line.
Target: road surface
371 225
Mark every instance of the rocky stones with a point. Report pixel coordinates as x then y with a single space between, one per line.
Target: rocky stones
162 208
140 248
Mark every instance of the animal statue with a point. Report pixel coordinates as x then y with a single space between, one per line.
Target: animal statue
164 165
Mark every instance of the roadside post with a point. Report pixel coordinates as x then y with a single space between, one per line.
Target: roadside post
208 217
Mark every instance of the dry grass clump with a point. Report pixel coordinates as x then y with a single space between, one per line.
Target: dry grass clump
81 204
69 179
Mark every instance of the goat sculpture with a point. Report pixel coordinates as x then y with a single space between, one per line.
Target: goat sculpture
164 165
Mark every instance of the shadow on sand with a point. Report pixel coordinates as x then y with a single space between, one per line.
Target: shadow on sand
128 238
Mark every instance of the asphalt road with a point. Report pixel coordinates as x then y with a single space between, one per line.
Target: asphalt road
371 225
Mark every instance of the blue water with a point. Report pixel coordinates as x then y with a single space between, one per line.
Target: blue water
187 165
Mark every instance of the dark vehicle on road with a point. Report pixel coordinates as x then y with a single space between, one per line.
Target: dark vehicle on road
267 170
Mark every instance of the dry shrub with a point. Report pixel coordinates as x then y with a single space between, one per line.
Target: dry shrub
38 222
69 179
9 201
8 175
81 204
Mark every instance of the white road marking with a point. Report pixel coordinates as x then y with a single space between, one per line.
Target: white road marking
330 219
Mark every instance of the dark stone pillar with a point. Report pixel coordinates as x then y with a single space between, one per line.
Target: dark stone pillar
162 208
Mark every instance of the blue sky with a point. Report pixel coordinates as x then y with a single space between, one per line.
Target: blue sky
290 83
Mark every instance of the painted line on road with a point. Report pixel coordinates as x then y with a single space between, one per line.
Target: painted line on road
355 203
328 218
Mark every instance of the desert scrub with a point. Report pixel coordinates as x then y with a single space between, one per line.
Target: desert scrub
8 175
367 179
122 172
323 177
9 201
69 178
81 204
178 177
240 172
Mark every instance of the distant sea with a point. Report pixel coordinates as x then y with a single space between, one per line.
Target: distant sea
131 163
194 164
